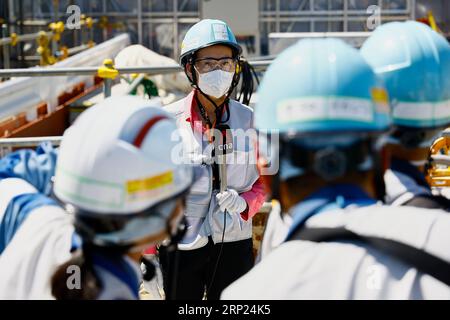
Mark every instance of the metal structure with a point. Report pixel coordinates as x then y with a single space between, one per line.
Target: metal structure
162 24
158 24
329 16
280 41
49 46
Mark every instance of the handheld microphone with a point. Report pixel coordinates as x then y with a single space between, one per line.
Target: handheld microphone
223 145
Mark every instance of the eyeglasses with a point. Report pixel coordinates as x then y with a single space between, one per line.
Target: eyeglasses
210 64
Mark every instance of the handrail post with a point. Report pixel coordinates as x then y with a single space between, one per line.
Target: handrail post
108 72
107 87
6 57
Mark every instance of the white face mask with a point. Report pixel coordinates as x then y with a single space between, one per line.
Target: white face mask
215 83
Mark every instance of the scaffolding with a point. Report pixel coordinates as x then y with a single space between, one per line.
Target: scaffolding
158 25
329 15
161 24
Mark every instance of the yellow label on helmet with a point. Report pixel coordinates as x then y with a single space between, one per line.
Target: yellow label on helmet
150 183
381 98
379 95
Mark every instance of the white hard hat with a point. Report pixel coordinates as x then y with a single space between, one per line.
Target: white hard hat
115 171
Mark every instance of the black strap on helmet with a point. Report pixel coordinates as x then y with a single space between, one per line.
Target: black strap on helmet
379 167
410 137
330 162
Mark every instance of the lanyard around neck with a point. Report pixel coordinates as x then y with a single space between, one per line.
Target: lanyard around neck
209 124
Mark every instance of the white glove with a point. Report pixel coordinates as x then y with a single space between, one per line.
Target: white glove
199 159
231 201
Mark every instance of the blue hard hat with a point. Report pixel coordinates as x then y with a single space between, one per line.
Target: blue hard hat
414 62
318 86
206 33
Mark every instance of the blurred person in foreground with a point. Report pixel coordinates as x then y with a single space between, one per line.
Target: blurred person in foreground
331 113
116 192
414 62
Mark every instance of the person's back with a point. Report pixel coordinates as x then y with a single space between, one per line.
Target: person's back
331 114
407 186
116 191
414 62
352 270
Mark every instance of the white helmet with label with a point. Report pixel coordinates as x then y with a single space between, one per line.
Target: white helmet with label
115 171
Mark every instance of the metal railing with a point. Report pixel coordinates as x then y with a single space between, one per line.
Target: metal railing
56 72
86 71
29 142
22 38
151 71
312 15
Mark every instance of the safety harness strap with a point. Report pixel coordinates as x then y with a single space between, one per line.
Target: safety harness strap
419 259
429 202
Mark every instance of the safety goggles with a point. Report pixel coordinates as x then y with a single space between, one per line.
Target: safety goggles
206 65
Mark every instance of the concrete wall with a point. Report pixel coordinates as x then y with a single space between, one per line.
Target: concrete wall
241 15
